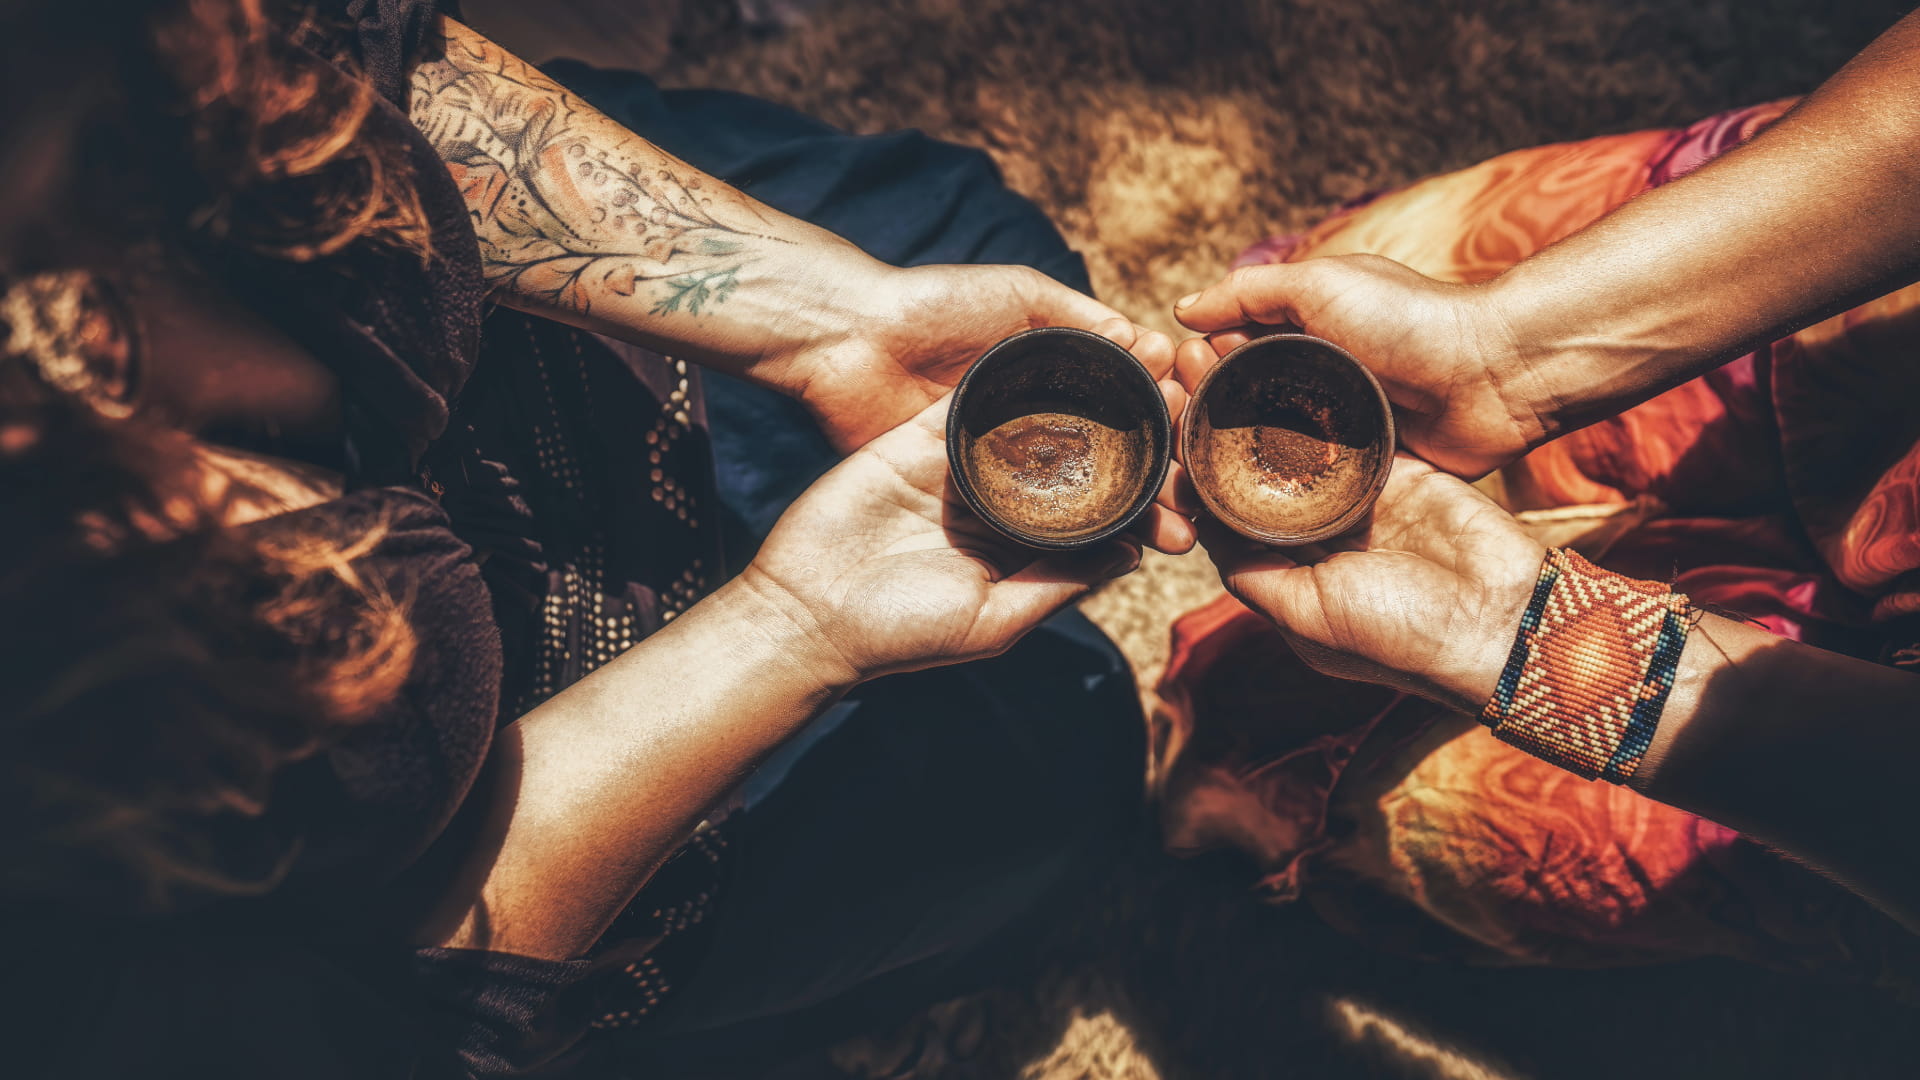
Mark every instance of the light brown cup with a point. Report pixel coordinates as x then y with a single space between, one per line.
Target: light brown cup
1288 440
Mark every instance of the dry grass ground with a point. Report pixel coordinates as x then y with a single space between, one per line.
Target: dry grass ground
1163 137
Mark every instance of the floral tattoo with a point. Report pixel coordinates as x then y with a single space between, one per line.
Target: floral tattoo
571 209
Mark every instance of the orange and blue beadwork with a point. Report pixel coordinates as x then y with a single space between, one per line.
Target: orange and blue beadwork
1591 668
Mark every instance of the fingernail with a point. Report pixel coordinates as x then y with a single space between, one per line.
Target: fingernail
1187 300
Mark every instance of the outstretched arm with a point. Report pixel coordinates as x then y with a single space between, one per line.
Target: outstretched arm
580 219
876 569
584 221
1817 213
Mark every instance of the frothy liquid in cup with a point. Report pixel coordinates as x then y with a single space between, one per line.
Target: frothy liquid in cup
1287 439
1058 437
1056 472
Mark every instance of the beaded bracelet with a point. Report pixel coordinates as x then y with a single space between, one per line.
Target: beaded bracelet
1590 669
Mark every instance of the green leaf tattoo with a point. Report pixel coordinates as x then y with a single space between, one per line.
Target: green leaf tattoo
698 289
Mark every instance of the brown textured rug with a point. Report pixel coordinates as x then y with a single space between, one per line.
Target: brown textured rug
1163 136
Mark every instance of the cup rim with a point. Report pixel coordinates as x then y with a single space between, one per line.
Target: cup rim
1158 418
1272 537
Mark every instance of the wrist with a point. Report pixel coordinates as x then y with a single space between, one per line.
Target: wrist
796 642
1525 334
1582 351
1591 669
1469 668
848 297
1718 653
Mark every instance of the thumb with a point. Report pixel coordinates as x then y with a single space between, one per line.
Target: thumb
1050 303
1266 295
1284 593
1024 599
1152 348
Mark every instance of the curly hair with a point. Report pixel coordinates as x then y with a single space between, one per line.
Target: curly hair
199 124
160 667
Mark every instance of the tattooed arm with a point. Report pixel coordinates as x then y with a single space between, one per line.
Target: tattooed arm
584 221
580 219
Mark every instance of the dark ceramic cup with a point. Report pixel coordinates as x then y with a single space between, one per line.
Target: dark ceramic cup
1058 438
1288 440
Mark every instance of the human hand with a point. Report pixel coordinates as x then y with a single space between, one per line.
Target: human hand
884 569
1426 597
1464 399
925 325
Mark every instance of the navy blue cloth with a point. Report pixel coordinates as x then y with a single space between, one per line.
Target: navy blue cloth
902 197
922 818
908 846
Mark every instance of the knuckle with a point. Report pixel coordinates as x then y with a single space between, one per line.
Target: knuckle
1245 277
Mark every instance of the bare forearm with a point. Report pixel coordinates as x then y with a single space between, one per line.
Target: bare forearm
1817 213
1807 750
580 219
587 795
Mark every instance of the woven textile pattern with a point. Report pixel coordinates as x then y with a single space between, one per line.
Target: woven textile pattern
1591 668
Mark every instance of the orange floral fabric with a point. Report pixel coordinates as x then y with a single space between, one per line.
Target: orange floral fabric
1788 488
